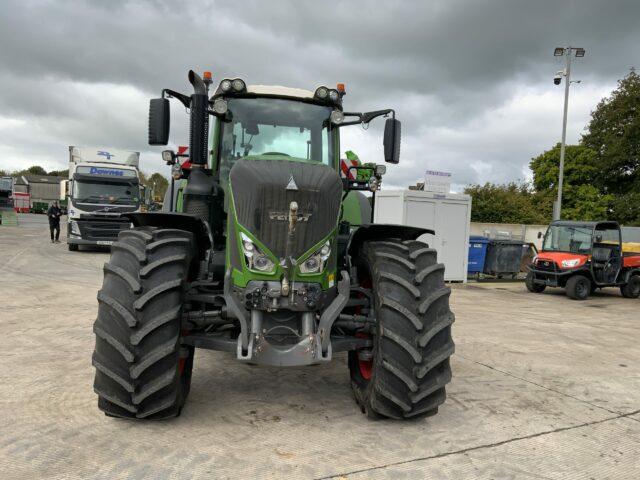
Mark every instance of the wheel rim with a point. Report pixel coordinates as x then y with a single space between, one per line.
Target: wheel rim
581 289
366 368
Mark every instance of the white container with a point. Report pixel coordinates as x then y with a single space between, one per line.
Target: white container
448 214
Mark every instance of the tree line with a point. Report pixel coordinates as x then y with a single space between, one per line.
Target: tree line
601 173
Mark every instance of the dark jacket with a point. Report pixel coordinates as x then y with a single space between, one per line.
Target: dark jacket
54 214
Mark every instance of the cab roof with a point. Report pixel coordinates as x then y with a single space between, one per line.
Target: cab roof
593 225
279 91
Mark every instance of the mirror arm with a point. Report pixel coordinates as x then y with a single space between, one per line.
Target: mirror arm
184 99
366 117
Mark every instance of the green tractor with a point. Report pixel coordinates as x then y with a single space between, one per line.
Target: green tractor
271 256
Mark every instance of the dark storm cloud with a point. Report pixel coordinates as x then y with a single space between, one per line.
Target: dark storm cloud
455 71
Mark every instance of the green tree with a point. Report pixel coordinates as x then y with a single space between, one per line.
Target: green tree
161 184
59 173
580 167
33 170
581 197
614 134
510 203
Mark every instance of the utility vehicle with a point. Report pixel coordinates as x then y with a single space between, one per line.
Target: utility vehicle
266 258
582 257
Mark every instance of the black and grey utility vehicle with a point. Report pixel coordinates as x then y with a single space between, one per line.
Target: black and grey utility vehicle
268 254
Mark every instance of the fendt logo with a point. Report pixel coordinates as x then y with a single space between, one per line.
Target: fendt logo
284 216
102 153
106 171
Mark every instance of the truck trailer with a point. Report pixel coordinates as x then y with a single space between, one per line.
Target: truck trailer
103 184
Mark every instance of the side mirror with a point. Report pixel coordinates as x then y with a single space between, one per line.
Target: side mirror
159 120
539 234
392 140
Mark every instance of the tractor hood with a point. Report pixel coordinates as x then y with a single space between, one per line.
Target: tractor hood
262 192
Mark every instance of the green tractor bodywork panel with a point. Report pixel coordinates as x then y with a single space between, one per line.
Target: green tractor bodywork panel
241 274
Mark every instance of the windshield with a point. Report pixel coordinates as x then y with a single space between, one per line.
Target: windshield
275 127
106 193
563 238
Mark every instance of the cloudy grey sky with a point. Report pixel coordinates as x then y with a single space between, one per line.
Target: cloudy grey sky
471 80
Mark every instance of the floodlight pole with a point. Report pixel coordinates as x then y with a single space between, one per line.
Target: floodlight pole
567 53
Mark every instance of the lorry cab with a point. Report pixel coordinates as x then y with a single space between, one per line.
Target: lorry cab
103 185
582 257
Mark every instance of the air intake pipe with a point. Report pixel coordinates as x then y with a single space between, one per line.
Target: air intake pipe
201 187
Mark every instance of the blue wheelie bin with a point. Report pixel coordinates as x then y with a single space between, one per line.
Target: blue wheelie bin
477 254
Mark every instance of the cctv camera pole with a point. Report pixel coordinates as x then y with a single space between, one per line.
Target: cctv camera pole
567 73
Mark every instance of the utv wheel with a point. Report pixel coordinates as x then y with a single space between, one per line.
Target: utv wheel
532 286
141 369
72 247
578 287
632 288
405 373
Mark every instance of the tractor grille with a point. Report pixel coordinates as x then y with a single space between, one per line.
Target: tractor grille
547 265
102 228
263 191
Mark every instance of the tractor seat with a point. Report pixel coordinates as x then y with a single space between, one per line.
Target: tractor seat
601 254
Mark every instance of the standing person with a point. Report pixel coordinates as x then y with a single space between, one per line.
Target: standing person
54 213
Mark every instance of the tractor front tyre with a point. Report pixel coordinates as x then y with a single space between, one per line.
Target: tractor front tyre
631 289
142 370
578 287
531 285
405 373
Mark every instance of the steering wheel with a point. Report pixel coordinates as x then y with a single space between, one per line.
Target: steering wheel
276 153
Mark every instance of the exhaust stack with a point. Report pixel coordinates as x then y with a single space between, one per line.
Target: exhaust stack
199 128
200 190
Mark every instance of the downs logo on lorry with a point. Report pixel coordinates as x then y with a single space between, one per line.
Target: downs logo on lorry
106 171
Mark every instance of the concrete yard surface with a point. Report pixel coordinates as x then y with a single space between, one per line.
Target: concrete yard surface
543 387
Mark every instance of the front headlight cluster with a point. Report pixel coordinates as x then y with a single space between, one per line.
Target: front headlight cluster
75 229
324 93
236 85
570 263
256 259
316 262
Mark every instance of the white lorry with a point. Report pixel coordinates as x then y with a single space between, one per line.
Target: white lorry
103 184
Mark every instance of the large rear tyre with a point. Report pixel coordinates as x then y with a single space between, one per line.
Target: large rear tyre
531 285
405 373
578 287
142 371
632 288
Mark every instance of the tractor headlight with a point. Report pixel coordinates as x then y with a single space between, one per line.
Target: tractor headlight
337 117
316 262
75 229
220 106
570 263
322 93
238 85
256 259
225 85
